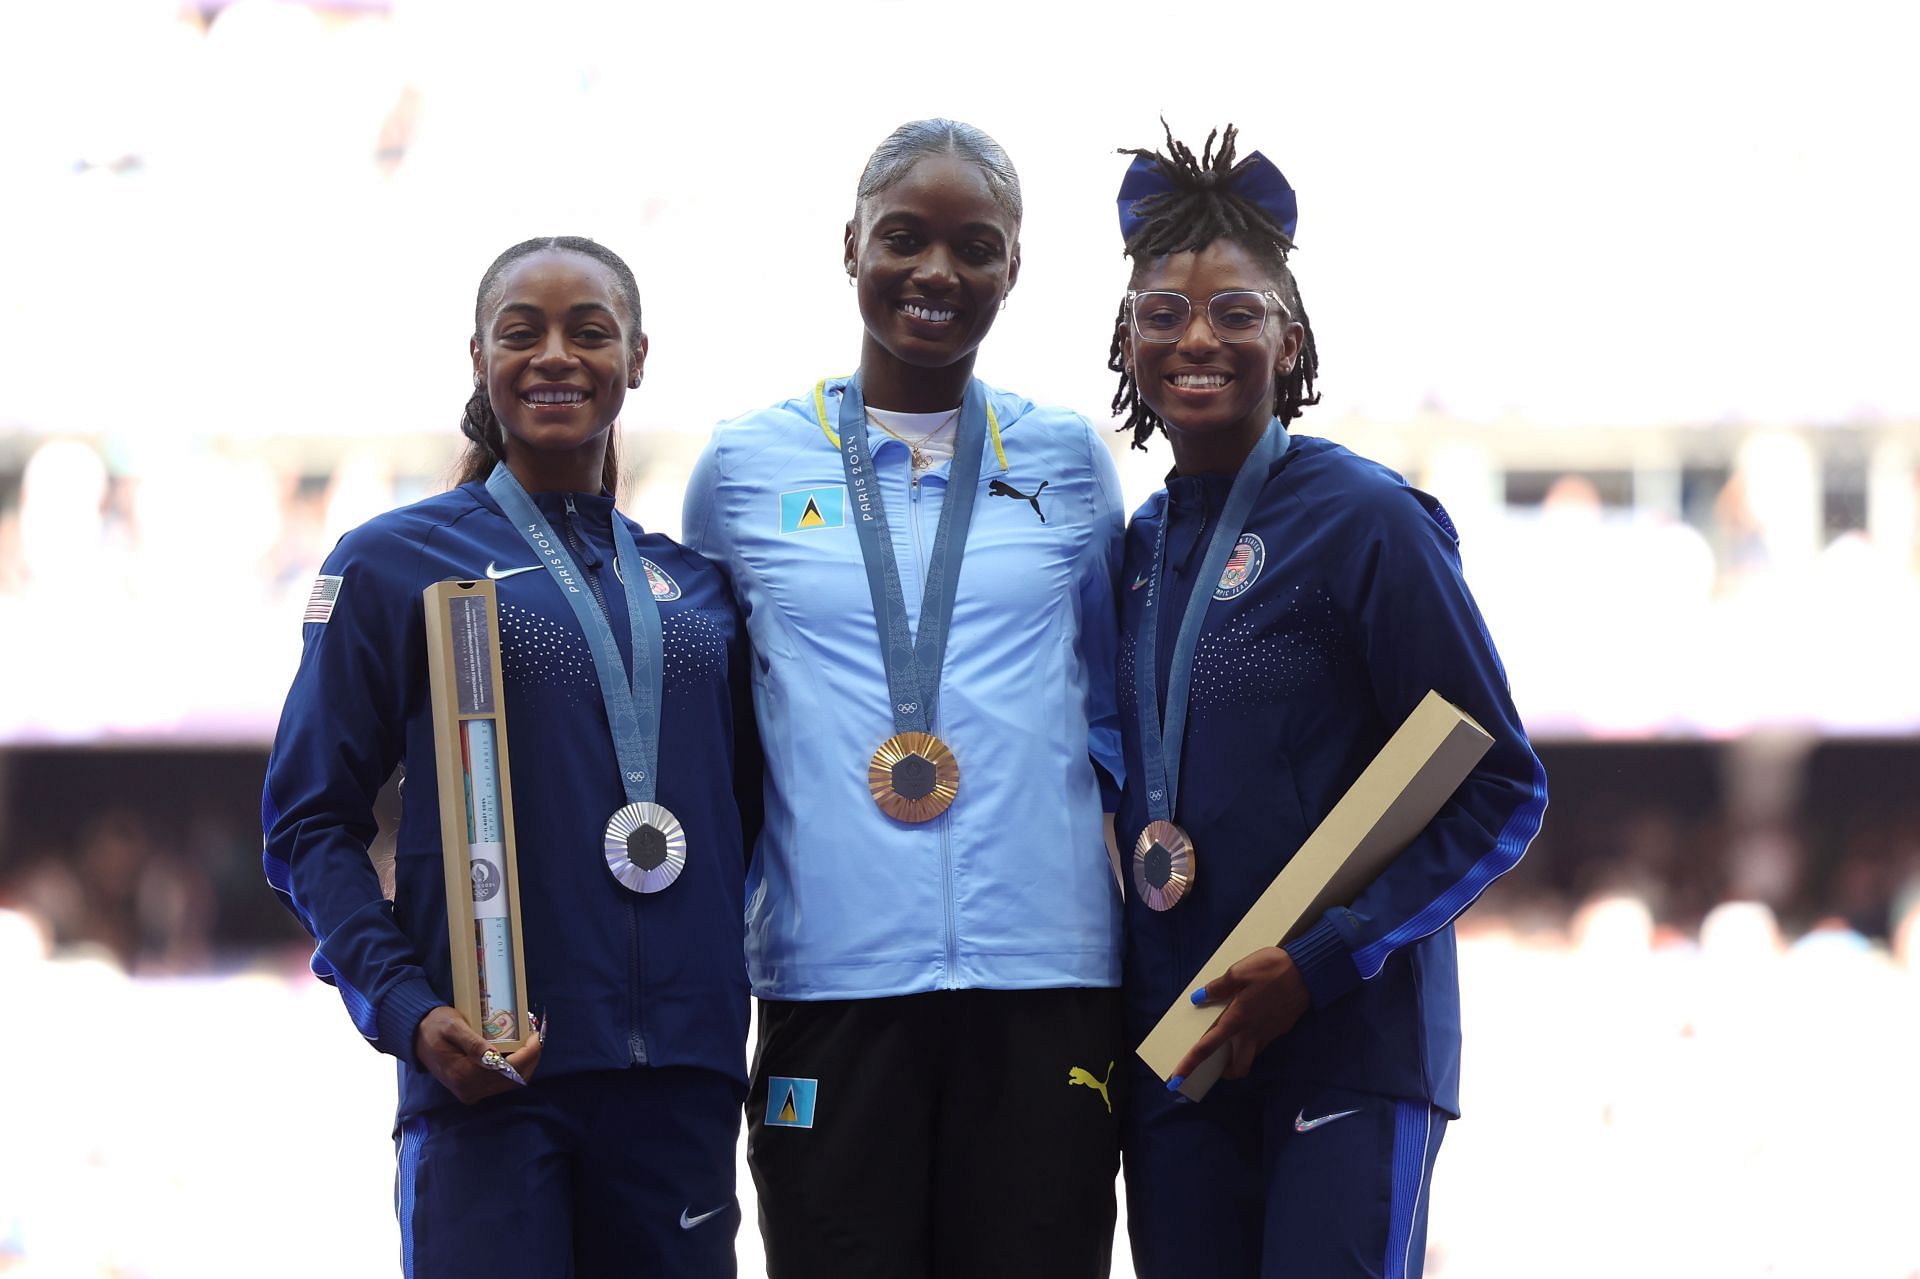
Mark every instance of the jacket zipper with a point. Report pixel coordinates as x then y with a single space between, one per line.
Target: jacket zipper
584 552
587 556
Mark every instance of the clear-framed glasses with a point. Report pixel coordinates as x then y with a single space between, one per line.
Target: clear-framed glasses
1238 315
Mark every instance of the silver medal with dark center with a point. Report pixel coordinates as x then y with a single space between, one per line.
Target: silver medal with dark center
646 847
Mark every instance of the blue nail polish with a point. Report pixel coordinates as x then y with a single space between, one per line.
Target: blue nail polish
1200 996
1173 1085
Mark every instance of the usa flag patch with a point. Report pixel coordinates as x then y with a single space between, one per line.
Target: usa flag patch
320 601
1243 566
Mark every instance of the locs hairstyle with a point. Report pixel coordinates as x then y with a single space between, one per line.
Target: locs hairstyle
486 439
1200 209
916 138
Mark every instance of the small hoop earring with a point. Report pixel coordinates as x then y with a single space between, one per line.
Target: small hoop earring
853 281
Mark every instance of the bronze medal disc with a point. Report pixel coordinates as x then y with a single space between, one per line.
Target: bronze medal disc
646 848
913 777
1162 865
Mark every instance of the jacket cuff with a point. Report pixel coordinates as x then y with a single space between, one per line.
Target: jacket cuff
401 1009
1325 962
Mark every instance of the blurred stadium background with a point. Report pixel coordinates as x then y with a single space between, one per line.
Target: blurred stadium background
1630 287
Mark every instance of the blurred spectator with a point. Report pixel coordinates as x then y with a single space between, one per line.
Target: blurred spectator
119 894
63 543
1739 933
12 561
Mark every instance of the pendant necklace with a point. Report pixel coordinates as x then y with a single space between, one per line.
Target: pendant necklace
921 461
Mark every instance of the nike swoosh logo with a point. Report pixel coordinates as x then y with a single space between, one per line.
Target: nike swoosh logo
497 573
1138 582
688 1223
1303 1124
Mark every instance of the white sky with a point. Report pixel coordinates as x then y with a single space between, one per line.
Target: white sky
1639 212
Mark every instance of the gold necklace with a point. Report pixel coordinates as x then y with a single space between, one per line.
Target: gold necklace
921 461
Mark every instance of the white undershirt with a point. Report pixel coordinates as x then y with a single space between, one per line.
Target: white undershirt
930 435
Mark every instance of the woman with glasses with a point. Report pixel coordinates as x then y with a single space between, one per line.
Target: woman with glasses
1289 605
926 564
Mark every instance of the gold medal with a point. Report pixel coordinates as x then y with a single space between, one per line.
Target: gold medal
1162 865
913 777
646 848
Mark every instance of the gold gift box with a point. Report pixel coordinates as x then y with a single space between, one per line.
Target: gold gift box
1407 783
476 811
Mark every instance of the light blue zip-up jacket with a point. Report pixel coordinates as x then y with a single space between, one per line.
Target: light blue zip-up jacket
1010 888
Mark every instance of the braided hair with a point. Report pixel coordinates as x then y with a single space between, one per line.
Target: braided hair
1200 209
486 438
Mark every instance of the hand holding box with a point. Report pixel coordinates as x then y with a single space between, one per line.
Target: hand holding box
1407 783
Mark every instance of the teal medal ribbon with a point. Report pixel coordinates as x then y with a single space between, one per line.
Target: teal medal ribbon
1163 857
645 845
913 776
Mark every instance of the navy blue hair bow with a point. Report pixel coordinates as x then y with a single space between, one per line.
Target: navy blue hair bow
1255 180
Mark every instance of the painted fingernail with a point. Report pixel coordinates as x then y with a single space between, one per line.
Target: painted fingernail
1173 1085
494 1061
1200 995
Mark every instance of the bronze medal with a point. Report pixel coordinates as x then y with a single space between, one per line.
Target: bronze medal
913 777
1162 865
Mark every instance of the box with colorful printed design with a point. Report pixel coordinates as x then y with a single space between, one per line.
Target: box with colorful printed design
476 811
1402 790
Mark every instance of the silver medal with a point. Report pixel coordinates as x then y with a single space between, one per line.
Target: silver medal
646 847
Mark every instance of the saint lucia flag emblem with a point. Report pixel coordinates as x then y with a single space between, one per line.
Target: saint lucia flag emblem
805 509
790 1102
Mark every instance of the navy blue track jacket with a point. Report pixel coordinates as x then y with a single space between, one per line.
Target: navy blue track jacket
1342 605
623 979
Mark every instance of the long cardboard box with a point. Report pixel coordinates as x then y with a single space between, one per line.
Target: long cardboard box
476 811
1407 783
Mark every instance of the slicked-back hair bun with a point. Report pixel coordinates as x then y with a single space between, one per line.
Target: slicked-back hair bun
915 139
486 438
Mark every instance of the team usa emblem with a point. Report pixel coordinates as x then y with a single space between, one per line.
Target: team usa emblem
663 586
660 583
1243 567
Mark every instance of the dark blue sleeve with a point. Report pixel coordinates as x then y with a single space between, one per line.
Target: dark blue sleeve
1398 580
340 736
